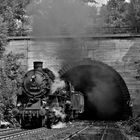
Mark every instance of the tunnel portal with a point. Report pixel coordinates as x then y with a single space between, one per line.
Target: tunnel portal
105 92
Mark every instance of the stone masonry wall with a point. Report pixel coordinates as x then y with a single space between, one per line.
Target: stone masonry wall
120 53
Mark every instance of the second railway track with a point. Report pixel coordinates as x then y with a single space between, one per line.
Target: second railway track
8 130
102 131
16 134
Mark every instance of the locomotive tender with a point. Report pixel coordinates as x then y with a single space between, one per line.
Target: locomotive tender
36 103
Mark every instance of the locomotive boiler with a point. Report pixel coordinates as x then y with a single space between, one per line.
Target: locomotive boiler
37 105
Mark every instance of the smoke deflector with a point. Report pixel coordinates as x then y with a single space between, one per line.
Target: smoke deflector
106 94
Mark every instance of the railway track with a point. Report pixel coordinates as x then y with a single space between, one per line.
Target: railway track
9 131
76 131
112 132
44 133
96 131
66 134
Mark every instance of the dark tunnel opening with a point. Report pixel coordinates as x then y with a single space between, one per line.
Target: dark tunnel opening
105 92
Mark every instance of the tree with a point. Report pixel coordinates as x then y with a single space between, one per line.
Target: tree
133 14
13 12
11 71
114 15
21 16
3 36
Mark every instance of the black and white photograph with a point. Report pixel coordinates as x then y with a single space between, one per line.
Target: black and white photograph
69 69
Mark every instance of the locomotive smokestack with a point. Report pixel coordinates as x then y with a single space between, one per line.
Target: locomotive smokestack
38 65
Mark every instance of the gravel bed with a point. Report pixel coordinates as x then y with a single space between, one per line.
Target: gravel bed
127 132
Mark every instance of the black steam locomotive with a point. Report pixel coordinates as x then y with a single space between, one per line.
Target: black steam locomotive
38 107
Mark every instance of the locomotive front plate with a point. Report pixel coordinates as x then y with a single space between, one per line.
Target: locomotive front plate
35 83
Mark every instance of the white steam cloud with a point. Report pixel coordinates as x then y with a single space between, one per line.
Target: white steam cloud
57 84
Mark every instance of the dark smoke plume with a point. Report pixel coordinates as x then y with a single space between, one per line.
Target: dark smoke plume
72 18
67 18
61 17
100 85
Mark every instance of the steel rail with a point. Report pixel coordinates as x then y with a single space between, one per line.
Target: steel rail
116 128
122 132
104 133
19 134
65 131
75 133
8 130
53 135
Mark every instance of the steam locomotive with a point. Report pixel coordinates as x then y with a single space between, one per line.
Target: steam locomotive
38 107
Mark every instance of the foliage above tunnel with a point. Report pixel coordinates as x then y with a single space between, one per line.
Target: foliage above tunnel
14 16
121 16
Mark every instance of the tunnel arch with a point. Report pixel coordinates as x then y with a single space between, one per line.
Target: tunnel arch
112 84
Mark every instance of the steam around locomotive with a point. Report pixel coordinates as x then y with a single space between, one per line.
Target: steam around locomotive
38 106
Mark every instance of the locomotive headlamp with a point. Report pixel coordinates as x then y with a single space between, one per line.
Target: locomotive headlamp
33 78
19 104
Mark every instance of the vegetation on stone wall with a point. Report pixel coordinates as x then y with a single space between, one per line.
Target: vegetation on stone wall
13 22
11 74
3 36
